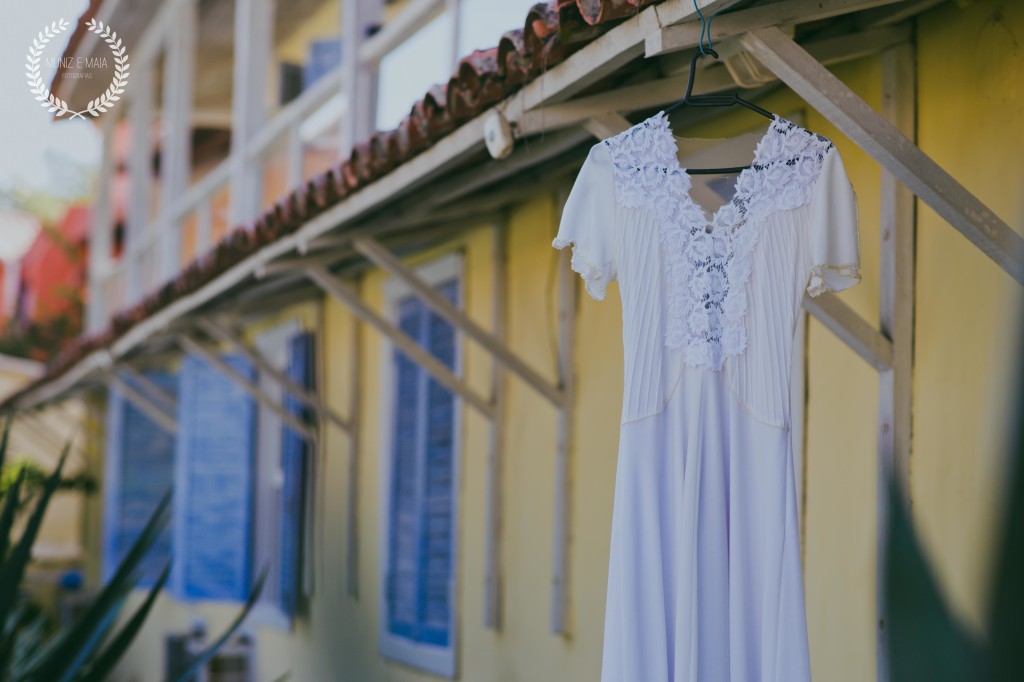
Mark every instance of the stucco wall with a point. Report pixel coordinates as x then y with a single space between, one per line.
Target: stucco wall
970 104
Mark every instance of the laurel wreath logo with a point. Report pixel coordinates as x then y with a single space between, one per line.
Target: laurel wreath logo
56 105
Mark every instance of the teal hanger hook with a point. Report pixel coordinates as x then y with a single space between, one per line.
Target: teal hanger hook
705 25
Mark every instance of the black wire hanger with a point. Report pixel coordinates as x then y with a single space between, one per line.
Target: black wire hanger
692 100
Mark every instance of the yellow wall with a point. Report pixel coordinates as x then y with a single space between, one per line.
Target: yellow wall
966 337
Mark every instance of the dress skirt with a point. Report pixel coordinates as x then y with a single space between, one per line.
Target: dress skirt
704 580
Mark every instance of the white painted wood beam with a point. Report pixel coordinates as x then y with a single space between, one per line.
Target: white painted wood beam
161 418
879 138
686 36
896 321
254 36
352 482
376 253
494 497
607 125
190 345
561 550
223 333
421 356
358 17
176 142
712 80
852 329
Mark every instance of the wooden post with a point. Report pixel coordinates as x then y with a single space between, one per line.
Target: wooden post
179 67
896 313
565 445
140 167
358 17
352 492
254 36
101 230
496 442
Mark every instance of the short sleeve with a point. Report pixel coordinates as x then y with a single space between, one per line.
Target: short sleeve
834 233
588 222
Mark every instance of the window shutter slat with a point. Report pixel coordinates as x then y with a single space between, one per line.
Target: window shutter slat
215 466
145 454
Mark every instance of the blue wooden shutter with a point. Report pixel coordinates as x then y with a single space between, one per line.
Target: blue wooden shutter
421 524
438 504
144 469
216 423
294 455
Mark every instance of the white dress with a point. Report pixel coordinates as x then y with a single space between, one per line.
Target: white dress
704 581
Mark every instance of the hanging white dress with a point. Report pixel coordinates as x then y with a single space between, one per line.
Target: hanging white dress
704 581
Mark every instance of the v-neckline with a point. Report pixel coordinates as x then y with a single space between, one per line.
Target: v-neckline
712 218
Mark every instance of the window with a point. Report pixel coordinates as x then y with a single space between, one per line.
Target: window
241 480
139 470
412 68
420 484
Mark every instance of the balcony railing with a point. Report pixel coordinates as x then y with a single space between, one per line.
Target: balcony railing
191 218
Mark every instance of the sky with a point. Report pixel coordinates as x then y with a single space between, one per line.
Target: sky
32 145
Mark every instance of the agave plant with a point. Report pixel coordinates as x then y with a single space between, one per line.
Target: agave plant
88 649
927 641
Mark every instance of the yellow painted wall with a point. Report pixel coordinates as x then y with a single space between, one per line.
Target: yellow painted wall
966 337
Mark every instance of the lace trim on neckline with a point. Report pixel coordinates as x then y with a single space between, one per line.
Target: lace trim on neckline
707 262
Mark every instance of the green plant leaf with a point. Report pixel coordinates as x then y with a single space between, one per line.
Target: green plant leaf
925 640
3 439
12 500
72 649
209 652
13 568
112 653
1006 626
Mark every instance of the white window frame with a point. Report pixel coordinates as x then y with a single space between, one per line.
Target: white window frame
433 659
267 611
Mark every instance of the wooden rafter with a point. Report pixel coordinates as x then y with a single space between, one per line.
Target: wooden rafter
887 145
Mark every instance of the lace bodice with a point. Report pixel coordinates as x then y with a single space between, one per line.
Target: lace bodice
635 180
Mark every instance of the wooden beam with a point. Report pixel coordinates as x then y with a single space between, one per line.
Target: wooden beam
686 36
896 321
494 496
605 55
254 34
165 421
176 145
410 19
352 483
376 253
358 18
566 442
852 329
190 345
607 125
221 332
713 79
879 138
417 353
153 391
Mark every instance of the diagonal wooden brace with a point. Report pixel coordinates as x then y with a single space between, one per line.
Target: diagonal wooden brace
374 251
344 293
887 145
161 418
221 332
190 345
